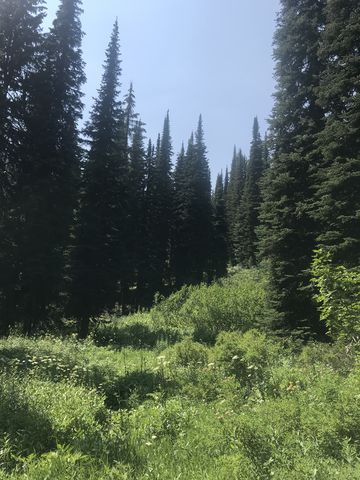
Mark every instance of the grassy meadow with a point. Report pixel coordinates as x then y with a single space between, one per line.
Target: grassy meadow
197 388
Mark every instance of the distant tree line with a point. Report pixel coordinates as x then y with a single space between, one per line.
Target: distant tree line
95 219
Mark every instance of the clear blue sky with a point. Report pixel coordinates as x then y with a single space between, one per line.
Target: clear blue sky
212 57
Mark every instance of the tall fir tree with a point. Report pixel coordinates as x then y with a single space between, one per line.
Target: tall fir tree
266 152
287 232
99 264
192 239
233 196
219 256
159 208
20 44
136 249
250 202
337 182
226 182
50 173
130 116
147 271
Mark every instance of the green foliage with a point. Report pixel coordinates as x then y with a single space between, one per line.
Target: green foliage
240 302
20 44
117 375
338 296
138 331
250 407
251 200
287 231
188 353
337 181
192 222
99 258
233 193
219 256
246 356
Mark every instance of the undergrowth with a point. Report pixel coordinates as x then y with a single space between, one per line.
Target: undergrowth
145 399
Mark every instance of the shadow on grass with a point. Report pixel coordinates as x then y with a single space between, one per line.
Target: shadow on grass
121 391
135 335
134 388
27 428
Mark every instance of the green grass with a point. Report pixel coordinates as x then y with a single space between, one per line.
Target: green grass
242 406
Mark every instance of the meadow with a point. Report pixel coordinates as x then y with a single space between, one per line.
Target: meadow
198 388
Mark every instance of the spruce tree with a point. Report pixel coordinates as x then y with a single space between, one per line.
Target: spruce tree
20 41
147 269
337 182
50 171
219 257
136 249
159 208
287 232
234 193
130 116
226 183
99 256
250 202
192 240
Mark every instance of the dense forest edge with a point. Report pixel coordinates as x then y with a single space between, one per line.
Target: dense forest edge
152 327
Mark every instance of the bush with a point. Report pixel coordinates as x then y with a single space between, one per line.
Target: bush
338 296
239 302
248 356
187 353
37 415
136 331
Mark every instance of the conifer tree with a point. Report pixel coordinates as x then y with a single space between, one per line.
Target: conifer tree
136 249
192 242
100 257
219 257
130 116
234 193
145 285
226 183
20 41
160 196
50 172
287 233
337 182
250 202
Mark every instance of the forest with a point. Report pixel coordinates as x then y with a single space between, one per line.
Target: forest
153 326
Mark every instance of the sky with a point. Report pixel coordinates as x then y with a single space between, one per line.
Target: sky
191 57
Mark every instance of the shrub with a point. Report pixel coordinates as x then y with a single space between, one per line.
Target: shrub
136 331
188 353
338 296
248 356
239 302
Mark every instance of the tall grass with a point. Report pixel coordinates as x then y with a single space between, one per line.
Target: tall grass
232 403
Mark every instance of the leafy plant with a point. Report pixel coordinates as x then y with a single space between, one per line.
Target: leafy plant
337 291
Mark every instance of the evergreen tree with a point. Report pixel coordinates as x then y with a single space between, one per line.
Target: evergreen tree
20 40
99 257
338 180
130 116
147 270
226 183
287 233
266 152
234 193
136 249
50 172
250 202
192 242
219 255
159 208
